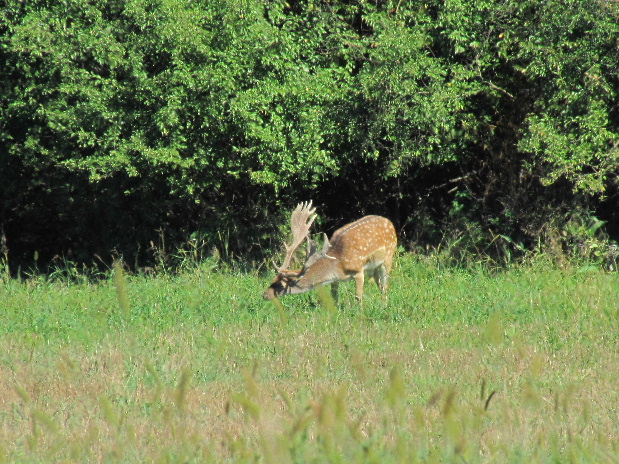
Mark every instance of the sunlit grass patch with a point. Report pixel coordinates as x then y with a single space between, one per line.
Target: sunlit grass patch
462 366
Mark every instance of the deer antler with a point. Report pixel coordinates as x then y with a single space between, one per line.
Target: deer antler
301 220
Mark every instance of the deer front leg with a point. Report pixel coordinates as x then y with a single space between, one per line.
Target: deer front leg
334 291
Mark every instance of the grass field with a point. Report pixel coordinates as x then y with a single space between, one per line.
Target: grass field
471 366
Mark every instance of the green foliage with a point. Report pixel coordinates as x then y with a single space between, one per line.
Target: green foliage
573 128
121 118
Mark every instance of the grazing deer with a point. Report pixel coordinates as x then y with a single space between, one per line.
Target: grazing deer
367 244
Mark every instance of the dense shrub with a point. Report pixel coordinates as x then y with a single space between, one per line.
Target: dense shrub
134 126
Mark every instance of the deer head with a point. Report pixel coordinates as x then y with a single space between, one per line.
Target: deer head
301 221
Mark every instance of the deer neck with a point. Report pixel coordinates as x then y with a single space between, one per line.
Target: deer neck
324 270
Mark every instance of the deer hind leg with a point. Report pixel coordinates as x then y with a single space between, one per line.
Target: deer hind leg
381 276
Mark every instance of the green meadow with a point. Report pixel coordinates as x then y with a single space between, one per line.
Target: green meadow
463 366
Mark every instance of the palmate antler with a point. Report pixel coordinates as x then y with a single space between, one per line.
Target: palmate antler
301 220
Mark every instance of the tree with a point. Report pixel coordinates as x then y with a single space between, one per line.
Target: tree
125 120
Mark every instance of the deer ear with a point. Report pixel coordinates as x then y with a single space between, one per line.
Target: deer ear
312 246
326 244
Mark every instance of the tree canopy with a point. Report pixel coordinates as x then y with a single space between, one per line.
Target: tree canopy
127 123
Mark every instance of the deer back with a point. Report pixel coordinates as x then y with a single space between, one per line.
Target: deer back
369 240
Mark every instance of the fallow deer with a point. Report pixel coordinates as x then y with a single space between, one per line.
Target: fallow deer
367 244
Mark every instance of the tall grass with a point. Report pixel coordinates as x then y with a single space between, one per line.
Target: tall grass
458 366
